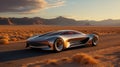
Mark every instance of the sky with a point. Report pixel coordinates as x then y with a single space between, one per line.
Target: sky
76 9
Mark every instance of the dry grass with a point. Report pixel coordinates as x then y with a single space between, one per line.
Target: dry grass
4 41
83 58
80 59
108 57
66 59
52 62
22 32
13 39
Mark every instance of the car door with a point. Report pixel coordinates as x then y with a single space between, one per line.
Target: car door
74 38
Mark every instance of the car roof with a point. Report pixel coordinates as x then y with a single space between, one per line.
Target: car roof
66 31
61 31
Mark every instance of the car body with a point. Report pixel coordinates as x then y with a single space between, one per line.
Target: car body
61 39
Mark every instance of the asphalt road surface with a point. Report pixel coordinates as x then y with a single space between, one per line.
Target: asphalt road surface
15 54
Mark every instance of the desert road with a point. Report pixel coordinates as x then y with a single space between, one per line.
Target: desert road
15 54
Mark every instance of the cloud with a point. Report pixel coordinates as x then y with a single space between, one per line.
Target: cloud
57 3
28 6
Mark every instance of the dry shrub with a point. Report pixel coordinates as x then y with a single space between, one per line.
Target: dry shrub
66 59
98 57
83 58
1 37
13 39
52 62
4 41
4 37
30 35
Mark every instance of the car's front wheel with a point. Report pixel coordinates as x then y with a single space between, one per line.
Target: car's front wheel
58 45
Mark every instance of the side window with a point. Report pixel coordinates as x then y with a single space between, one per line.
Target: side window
65 33
76 33
69 33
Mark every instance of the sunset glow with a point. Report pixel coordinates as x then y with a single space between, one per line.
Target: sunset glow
76 9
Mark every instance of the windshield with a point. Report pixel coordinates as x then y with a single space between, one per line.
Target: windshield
51 33
61 33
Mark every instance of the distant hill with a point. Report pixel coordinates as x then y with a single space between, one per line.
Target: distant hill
62 21
5 21
56 21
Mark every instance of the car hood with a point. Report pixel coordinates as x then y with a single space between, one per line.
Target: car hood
39 38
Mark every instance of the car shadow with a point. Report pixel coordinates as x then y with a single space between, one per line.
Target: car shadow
77 48
27 53
21 54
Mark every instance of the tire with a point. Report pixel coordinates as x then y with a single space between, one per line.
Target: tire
58 45
94 42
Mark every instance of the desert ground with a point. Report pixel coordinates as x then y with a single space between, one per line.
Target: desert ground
22 32
108 57
14 54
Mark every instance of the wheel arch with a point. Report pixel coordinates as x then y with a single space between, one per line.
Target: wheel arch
64 41
91 37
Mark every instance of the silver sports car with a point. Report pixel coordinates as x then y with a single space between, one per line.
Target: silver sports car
62 39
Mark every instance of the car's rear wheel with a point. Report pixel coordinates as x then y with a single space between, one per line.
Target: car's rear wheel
58 45
94 41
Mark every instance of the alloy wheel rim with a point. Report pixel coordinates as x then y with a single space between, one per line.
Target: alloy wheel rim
95 42
59 45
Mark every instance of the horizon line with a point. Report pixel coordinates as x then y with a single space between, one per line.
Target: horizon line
63 17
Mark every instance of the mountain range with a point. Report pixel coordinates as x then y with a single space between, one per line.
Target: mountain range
57 21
